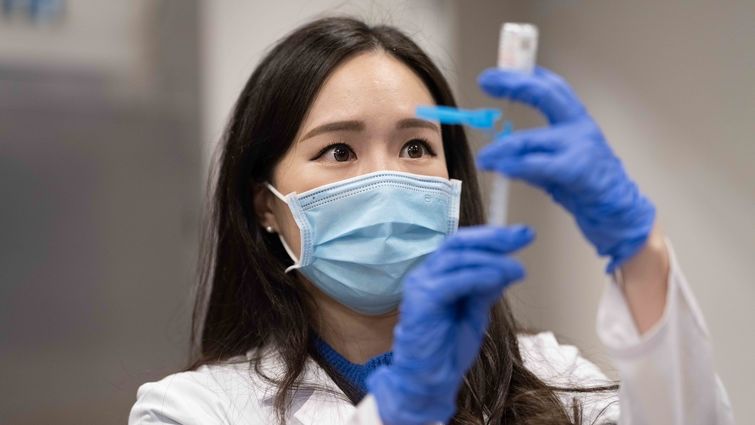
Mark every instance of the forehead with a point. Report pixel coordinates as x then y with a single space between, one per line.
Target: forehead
369 85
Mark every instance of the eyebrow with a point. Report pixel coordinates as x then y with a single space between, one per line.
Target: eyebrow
335 126
355 125
417 123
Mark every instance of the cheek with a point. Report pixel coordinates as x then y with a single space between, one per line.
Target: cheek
297 173
436 167
284 173
439 167
442 164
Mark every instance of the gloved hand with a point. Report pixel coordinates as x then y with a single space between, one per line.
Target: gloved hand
444 313
570 160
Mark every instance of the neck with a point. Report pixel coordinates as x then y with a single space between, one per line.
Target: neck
356 337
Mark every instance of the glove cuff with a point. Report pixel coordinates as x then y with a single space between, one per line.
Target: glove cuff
644 218
401 402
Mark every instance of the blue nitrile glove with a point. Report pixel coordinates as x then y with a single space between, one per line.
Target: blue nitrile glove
443 317
571 160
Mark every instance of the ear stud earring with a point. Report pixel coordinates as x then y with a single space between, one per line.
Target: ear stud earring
269 229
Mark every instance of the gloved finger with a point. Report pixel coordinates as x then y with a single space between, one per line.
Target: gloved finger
543 90
479 281
503 240
541 170
474 316
556 80
406 401
472 322
535 168
551 140
475 310
466 259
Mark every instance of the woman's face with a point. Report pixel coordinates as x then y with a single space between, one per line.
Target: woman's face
362 120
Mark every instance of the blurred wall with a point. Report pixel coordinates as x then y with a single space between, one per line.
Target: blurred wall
82 34
672 84
99 204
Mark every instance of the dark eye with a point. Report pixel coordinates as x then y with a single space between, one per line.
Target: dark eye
416 148
339 152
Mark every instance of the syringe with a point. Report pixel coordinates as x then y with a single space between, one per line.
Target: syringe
517 50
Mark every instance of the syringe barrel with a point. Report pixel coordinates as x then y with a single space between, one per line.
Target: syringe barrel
517 47
517 50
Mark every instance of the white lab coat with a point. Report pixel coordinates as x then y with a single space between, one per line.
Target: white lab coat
667 377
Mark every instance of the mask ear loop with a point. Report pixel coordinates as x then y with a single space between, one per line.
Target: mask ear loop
289 251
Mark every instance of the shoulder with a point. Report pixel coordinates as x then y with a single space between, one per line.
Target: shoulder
562 365
556 363
222 393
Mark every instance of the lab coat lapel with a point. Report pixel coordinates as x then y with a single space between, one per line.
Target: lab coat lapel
323 406
318 401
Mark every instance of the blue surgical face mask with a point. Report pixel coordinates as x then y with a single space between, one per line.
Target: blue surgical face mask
361 235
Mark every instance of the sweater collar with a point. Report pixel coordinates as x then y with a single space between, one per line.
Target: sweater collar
356 374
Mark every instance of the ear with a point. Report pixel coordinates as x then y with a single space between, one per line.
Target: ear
263 201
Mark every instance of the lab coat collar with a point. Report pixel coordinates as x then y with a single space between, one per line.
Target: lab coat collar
318 400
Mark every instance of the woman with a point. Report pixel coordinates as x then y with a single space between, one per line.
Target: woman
338 288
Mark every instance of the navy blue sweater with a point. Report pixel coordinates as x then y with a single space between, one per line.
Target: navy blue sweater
355 374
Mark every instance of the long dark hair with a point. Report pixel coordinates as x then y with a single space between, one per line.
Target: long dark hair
246 302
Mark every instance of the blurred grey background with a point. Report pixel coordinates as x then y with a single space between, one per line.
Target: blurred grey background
109 115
